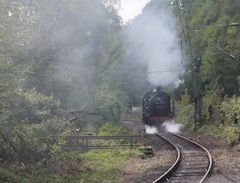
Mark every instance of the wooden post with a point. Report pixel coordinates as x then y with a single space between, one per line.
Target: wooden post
131 143
198 95
87 145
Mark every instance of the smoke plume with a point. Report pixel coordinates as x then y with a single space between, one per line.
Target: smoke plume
153 38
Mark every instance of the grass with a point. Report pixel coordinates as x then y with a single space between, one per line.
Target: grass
97 166
106 166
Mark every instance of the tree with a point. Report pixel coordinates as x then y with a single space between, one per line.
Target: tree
209 19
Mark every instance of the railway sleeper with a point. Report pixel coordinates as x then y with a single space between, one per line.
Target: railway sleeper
183 181
156 173
189 168
193 152
194 161
179 174
190 177
193 155
200 153
194 165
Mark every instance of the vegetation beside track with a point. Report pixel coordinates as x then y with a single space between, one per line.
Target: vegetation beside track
57 56
221 116
218 23
92 166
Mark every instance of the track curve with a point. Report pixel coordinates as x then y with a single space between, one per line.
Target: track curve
193 162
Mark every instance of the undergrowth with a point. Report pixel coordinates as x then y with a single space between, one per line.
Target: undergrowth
94 166
221 116
229 134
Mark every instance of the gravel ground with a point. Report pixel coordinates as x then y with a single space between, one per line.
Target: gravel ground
139 170
147 170
143 170
226 159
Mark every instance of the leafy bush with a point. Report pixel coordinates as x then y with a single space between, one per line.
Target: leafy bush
7 177
229 134
28 125
184 115
110 102
109 129
221 116
34 107
211 102
94 166
230 109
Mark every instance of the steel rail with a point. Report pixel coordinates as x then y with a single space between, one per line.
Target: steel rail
174 166
171 170
206 151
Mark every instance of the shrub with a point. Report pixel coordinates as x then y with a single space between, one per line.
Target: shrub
229 134
230 109
221 116
185 115
7 177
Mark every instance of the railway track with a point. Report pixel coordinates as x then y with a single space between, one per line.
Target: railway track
193 162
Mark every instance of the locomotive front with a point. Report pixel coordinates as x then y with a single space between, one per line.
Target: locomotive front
156 107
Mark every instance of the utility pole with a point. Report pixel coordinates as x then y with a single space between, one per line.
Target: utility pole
198 94
198 89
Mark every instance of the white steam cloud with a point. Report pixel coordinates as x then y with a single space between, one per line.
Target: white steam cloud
153 37
167 126
151 130
172 126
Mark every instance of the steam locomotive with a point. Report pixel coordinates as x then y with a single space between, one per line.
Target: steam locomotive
156 108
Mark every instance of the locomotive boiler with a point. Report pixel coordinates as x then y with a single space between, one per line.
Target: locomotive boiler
156 107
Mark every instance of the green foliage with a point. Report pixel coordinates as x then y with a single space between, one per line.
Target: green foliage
211 101
93 166
45 61
184 111
55 56
106 165
230 109
185 98
210 19
7 177
34 107
109 129
220 116
219 73
184 115
28 125
226 133
110 102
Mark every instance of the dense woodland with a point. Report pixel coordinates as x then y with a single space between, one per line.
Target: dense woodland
59 56
217 23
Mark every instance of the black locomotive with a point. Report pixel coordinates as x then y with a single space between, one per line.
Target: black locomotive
156 107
